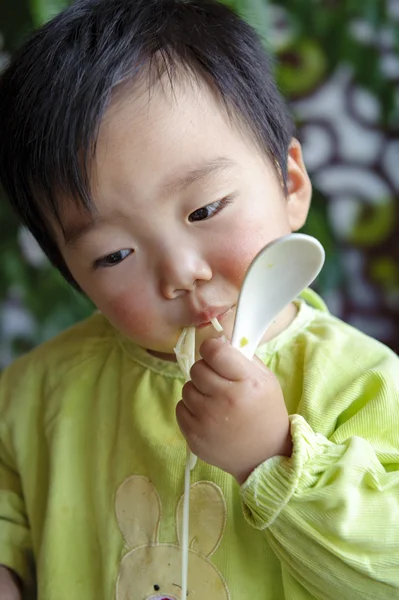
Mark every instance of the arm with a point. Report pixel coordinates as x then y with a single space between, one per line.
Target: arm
15 536
15 539
331 511
328 502
9 589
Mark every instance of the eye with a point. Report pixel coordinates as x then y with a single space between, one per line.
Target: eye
206 212
113 259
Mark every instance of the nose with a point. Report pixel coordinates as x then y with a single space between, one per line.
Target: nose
181 270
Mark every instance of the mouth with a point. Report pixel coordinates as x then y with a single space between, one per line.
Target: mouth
203 319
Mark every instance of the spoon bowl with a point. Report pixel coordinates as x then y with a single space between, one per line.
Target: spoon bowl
276 276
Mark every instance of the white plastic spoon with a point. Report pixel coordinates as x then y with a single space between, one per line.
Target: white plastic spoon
276 276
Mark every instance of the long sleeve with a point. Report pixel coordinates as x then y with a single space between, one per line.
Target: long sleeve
331 510
15 538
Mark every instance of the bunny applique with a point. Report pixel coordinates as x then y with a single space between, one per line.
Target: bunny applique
151 570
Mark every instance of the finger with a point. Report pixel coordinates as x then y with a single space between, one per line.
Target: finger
258 362
185 419
226 361
204 378
193 399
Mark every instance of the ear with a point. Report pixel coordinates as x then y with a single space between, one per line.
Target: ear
299 187
138 510
208 516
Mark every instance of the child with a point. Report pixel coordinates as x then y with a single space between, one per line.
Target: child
145 146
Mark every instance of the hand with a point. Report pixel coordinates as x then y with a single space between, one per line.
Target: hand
8 585
233 413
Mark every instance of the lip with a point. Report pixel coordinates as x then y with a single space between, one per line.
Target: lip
203 319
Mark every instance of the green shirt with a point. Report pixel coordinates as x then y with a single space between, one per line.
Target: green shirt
92 471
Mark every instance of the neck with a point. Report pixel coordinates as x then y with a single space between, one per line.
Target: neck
283 320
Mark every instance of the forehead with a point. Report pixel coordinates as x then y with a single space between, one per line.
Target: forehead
186 109
147 134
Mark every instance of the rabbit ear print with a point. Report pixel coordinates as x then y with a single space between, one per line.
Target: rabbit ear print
138 511
208 515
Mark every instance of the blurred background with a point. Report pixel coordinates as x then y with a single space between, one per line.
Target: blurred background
337 61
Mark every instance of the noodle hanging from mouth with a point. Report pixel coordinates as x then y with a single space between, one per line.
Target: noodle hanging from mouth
185 356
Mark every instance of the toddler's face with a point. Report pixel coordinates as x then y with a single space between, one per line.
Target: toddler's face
185 201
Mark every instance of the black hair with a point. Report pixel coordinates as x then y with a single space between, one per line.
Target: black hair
54 93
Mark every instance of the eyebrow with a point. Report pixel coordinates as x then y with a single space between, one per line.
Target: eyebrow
73 232
215 166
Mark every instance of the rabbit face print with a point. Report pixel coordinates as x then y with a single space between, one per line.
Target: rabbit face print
151 570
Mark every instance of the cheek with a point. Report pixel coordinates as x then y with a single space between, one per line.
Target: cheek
234 261
131 314
237 253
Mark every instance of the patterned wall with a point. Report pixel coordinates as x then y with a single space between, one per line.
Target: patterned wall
352 153
339 67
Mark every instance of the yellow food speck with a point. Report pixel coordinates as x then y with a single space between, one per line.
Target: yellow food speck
243 342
